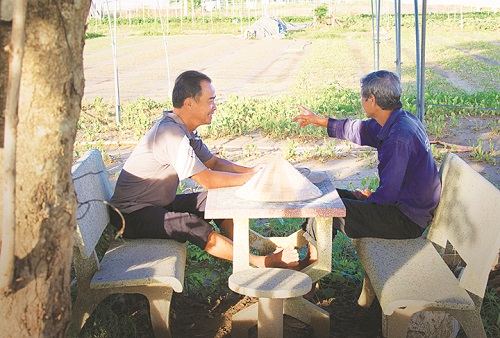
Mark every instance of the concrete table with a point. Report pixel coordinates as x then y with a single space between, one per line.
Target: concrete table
223 203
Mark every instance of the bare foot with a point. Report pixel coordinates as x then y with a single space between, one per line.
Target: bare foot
282 258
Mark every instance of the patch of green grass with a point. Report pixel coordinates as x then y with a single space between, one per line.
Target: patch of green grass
481 154
347 272
205 277
90 35
490 313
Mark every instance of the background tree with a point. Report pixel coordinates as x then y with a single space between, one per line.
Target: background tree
38 302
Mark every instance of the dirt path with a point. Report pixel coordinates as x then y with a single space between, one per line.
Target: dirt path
236 65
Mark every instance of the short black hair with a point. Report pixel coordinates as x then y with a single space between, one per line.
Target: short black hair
188 84
386 88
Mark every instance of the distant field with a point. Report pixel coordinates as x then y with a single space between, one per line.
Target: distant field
457 59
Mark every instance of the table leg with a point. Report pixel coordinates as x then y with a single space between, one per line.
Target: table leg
302 309
323 266
270 322
241 252
324 242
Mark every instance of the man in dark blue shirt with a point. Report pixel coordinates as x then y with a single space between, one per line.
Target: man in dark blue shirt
403 205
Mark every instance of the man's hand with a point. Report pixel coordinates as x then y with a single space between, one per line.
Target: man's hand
255 169
309 118
361 194
282 258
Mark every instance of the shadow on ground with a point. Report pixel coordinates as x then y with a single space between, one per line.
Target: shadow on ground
347 320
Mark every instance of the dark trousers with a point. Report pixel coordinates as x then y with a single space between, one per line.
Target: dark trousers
182 220
369 220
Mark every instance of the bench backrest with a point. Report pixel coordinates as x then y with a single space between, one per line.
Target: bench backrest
92 187
468 216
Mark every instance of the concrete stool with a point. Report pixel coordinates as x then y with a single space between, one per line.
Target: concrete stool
271 286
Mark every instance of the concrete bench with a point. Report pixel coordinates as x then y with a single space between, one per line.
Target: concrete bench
410 276
152 267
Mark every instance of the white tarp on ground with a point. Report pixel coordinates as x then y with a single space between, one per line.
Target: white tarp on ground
271 27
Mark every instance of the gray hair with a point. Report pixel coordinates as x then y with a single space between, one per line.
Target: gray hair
386 88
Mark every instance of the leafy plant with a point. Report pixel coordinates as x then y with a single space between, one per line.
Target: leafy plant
370 183
480 154
320 12
490 312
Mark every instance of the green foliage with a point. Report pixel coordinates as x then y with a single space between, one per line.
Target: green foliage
370 183
90 35
272 117
276 227
221 24
347 271
205 277
320 12
490 313
480 154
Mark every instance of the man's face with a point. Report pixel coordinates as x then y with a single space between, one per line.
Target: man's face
364 104
204 107
368 105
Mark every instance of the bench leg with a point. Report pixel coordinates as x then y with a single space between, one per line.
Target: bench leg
310 314
471 323
367 295
396 325
471 320
84 305
243 320
159 307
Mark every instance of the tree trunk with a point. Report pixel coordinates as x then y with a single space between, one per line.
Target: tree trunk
38 305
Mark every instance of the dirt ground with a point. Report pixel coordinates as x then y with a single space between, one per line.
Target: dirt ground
255 68
347 320
236 65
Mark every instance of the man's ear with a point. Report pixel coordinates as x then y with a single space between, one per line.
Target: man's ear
373 100
188 102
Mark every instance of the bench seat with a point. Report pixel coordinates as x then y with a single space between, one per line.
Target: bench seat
152 267
142 262
412 272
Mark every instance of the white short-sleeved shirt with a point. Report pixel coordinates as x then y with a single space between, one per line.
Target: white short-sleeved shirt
167 154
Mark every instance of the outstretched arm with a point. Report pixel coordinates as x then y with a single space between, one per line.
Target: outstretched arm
222 173
220 164
309 118
212 179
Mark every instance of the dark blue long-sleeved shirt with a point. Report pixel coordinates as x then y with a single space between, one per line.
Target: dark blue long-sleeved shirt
408 174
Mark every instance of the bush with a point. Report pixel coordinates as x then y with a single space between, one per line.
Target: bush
320 12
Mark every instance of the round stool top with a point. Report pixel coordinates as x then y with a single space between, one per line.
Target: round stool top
270 283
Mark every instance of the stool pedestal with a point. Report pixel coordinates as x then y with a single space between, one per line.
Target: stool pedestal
271 286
